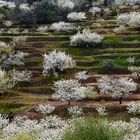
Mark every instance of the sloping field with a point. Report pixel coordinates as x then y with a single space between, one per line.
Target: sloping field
114 47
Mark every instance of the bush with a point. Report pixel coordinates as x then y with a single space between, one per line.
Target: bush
86 39
76 16
92 130
27 18
21 16
62 27
56 62
108 66
114 12
132 20
47 12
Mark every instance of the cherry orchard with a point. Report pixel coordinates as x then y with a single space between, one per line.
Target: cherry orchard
117 87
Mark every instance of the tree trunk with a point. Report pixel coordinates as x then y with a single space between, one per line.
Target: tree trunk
69 103
120 100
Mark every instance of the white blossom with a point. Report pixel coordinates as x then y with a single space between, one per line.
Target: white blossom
97 25
86 38
15 59
3 121
66 4
123 19
5 80
62 26
131 60
53 127
1 16
97 3
45 109
120 29
132 20
42 28
129 2
5 48
57 61
94 10
48 128
1 30
67 90
123 87
102 110
25 7
20 76
19 41
117 87
8 23
75 111
133 108
90 92
135 70
25 31
81 75
76 16
13 31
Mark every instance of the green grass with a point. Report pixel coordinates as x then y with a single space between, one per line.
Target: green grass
22 136
117 41
12 107
92 130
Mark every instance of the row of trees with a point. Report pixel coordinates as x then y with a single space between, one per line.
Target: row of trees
45 11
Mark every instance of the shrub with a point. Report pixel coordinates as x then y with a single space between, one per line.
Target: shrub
9 57
43 28
22 15
45 109
133 108
108 66
67 90
132 20
14 59
8 23
56 62
123 19
20 76
117 87
76 16
54 11
114 12
82 75
19 41
26 17
102 110
127 2
135 70
94 10
92 130
75 111
62 26
46 11
120 29
5 48
86 39
5 80
66 4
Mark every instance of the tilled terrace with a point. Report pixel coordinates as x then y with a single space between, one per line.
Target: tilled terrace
115 47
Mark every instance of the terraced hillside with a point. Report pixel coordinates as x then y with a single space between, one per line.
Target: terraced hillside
115 47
